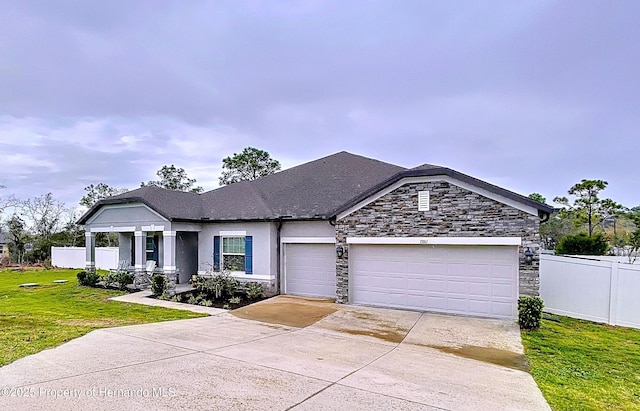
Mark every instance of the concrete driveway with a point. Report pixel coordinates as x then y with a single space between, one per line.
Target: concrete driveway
335 357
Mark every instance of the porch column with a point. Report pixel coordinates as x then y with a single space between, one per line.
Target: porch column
169 259
90 249
140 245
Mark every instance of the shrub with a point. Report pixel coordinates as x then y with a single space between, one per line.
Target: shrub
89 279
530 312
123 279
159 284
254 290
235 300
582 244
218 287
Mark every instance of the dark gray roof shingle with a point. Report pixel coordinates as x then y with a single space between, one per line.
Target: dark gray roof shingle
319 189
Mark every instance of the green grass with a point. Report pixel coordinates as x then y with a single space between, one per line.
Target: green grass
33 319
580 365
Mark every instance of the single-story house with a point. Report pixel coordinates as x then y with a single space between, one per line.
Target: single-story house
347 227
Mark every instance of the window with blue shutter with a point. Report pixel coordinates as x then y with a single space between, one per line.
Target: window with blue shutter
248 254
216 253
233 253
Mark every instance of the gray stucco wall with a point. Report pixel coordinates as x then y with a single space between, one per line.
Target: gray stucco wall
186 255
264 255
129 215
454 212
307 229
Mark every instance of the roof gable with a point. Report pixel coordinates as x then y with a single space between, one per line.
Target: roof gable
319 189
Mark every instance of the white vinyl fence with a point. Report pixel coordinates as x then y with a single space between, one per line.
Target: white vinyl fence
75 257
600 291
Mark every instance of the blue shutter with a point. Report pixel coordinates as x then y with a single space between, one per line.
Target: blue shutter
216 253
248 254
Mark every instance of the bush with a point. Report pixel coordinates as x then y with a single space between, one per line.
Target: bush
123 279
218 287
582 244
254 290
89 279
530 312
159 284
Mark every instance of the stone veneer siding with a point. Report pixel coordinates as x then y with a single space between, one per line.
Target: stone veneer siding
453 212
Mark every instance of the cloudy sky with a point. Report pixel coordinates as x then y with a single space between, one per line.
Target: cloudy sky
529 95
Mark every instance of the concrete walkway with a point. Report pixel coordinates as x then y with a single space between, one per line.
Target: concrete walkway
355 358
143 297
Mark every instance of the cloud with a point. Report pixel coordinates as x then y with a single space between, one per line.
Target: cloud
534 95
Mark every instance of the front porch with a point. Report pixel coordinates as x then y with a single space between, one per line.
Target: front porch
149 250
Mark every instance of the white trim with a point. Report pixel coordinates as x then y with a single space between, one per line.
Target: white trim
117 206
447 179
90 264
232 233
436 240
152 227
241 275
169 233
308 240
112 229
169 268
89 234
139 234
140 266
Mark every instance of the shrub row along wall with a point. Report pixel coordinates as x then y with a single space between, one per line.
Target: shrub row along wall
601 291
75 257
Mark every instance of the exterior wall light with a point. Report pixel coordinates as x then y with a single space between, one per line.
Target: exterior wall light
528 256
339 251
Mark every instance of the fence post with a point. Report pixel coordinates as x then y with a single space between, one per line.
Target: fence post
613 294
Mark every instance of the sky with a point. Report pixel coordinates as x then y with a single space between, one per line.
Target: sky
530 95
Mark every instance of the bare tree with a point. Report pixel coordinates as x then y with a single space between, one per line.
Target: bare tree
6 202
44 214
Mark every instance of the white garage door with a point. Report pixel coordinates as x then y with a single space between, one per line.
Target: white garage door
471 280
310 270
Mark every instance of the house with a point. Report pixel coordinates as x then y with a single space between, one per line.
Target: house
4 247
346 227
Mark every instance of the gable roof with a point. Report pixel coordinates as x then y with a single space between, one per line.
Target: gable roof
319 189
430 170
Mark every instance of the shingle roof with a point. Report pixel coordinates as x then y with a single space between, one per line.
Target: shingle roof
318 189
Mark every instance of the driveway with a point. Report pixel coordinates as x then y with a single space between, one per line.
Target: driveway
284 353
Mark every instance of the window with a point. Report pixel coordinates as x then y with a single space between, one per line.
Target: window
1 248
233 253
152 248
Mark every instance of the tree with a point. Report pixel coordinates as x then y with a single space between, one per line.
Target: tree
44 213
554 229
44 218
582 244
610 211
6 202
250 164
17 238
538 197
587 206
99 192
174 178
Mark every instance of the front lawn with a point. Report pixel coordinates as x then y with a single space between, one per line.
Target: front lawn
33 319
581 365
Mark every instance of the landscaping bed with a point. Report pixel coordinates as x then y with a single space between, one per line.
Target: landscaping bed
218 290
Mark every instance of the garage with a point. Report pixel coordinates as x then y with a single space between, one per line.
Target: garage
310 270
476 280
